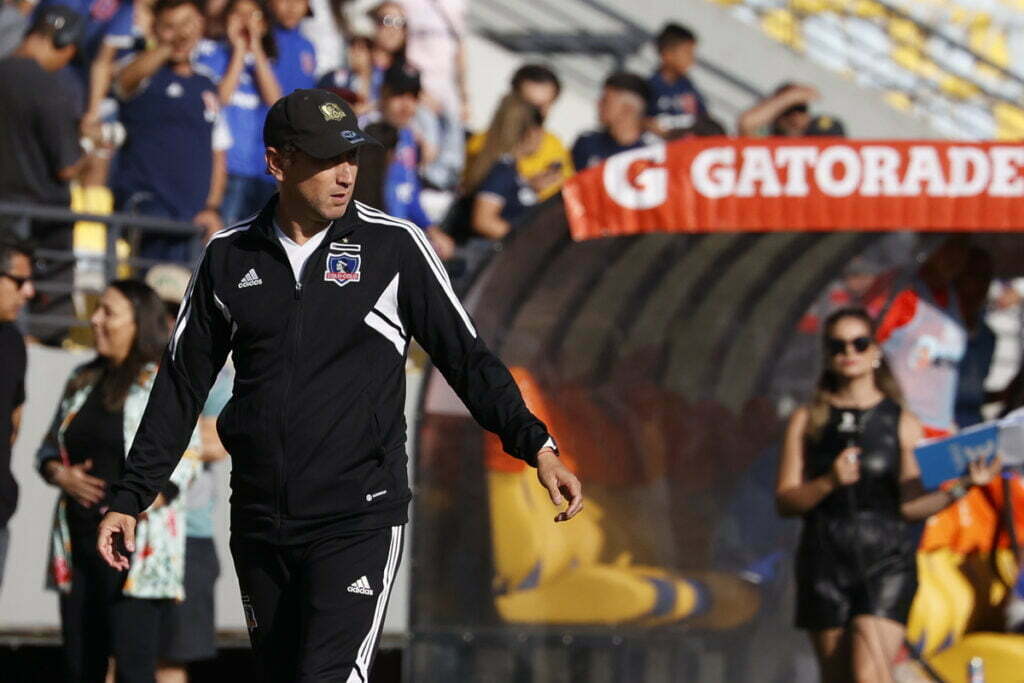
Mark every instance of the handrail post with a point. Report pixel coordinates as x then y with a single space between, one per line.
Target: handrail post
113 234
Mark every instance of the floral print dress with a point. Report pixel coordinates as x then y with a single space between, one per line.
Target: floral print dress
158 565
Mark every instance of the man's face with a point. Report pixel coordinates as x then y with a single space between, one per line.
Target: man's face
616 105
289 12
794 124
180 27
679 57
390 31
323 185
13 295
399 110
540 95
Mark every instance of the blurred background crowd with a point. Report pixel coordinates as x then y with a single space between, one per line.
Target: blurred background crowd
151 111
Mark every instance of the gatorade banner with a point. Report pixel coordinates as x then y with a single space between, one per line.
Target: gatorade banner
776 184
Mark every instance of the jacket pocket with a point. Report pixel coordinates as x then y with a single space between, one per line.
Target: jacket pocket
339 496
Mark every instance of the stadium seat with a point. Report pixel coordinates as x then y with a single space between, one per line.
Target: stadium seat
1002 654
1009 121
783 26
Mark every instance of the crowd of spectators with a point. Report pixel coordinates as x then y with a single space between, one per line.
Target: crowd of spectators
160 103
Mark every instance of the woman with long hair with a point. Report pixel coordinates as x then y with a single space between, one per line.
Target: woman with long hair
848 468
494 194
510 126
103 611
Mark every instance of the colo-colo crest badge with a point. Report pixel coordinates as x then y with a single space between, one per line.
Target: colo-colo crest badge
343 263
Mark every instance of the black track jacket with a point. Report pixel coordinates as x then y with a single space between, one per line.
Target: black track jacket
316 425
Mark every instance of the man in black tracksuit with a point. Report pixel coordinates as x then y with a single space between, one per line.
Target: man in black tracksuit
317 297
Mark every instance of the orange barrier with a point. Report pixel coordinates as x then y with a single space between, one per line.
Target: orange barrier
716 184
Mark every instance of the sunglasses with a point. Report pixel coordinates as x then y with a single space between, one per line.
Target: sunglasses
392 20
838 346
18 280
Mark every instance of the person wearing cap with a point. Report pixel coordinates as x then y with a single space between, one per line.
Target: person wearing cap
399 101
786 113
317 299
620 112
172 164
41 150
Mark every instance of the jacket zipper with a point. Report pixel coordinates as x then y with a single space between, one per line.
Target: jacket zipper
292 360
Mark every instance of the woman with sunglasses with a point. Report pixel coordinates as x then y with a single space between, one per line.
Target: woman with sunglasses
848 468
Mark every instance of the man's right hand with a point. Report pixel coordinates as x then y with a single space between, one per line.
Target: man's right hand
85 489
116 524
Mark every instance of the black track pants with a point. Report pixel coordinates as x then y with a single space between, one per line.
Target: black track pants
315 611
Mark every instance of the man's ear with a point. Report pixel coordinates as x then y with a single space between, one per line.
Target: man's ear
276 162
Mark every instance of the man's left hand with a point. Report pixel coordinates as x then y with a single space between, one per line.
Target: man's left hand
560 483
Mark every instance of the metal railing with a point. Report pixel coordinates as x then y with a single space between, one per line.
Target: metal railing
21 216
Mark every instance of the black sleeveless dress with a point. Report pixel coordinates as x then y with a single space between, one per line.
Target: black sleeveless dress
856 554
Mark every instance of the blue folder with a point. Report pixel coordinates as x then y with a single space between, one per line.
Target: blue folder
947 458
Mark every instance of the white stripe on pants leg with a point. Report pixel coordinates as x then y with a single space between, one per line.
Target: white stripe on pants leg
361 672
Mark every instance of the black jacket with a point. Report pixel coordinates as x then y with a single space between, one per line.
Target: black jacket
316 426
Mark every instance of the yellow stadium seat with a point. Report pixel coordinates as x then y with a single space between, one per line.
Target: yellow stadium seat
868 9
1002 654
899 100
906 32
957 87
911 59
809 6
784 27
89 236
1009 122
990 42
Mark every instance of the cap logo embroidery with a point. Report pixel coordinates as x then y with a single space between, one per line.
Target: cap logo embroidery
331 112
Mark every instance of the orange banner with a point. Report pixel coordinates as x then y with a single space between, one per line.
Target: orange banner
722 184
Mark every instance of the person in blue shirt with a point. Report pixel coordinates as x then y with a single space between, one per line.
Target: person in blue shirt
400 97
674 103
504 195
243 66
172 164
401 188
296 59
620 111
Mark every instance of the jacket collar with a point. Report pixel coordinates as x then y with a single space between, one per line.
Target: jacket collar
339 228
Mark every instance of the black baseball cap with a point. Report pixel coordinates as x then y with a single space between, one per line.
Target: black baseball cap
318 122
62 24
